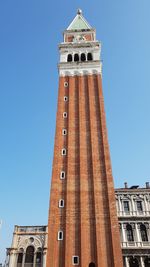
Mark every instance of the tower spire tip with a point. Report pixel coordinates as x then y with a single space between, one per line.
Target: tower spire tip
79 11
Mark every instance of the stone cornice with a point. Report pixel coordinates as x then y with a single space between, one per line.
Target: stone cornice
80 44
80 68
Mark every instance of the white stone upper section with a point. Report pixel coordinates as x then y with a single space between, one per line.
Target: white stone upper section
79 51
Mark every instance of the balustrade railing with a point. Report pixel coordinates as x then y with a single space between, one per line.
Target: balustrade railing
133 213
31 229
136 244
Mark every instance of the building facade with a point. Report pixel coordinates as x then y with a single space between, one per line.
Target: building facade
28 247
133 209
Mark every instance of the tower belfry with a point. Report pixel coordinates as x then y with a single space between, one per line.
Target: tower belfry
83 226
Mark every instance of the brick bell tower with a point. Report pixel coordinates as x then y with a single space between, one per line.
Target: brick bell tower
83 226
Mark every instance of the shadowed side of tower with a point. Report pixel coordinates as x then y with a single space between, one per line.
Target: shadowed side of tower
83 225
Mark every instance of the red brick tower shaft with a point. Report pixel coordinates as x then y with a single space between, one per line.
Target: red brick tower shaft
83 225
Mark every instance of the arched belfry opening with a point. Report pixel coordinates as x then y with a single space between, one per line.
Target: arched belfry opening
89 56
76 57
69 58
83 57
92 264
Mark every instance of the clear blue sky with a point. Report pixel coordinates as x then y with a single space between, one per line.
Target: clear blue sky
30 32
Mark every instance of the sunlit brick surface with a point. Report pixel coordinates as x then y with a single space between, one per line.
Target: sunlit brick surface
88 219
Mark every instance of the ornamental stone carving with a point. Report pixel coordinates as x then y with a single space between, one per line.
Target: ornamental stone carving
26 241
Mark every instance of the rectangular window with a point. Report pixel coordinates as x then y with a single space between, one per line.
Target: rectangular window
139 206
61 203
60 235
143 231
126 206
65 115
75 260
64 132
62 175
65 98
63 152
130 237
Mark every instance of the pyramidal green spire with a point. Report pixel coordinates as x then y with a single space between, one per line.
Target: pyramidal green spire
79 22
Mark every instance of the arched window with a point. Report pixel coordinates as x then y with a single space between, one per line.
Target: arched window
61 203
39 258
143 232
83 57
129 232
29 258
89 56
147 262
133 262
92 264
69 59
76 57
20 258
60 235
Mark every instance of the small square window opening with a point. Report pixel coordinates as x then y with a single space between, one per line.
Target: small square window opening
60 235
61 203
75 260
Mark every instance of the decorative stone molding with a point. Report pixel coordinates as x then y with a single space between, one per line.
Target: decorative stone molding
125 197
138 197
74 72
26 241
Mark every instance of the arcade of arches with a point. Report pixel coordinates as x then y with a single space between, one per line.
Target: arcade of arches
30 258
82 57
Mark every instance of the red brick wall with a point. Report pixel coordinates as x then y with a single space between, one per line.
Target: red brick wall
88 220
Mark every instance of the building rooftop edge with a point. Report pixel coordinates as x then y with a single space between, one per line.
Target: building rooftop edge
132 189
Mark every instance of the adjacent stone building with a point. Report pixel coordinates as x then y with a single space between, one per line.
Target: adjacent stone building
133 209
28 247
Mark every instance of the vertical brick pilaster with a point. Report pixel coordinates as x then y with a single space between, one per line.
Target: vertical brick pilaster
87 242
113 224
